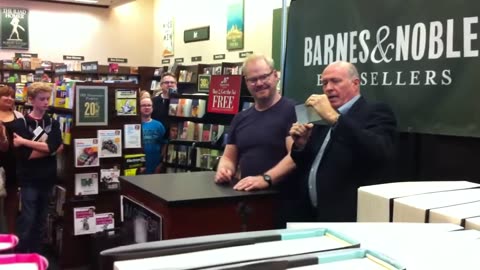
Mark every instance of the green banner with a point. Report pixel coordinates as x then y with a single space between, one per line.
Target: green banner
423 63
14 28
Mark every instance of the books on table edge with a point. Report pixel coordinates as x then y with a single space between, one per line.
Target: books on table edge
352 258
289 243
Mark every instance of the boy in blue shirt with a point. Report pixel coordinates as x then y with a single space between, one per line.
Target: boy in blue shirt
37 139
153 133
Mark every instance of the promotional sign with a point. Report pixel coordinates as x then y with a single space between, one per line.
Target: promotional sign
91 105
224 95
14 28
235 29
197 34
423 64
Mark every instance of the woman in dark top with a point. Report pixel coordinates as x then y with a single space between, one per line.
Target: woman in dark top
7 159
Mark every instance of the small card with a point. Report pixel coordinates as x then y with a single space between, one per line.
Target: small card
306 114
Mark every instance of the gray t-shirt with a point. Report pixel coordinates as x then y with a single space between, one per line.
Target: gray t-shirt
260 136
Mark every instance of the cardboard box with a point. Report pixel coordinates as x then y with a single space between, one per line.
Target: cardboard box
457 214
416 208
374 203
472 223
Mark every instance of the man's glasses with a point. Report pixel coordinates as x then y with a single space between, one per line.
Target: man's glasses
261 78
146 105
169 82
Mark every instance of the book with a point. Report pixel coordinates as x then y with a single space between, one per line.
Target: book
86 184
84 220
132 162
172 107
60 195
187 108
181 104
206 132
197 131
109 179
201 108
86 152
182 154
111 143
104 221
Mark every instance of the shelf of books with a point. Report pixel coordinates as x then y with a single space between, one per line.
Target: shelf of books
102 141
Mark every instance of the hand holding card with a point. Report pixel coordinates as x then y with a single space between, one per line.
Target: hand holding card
306 114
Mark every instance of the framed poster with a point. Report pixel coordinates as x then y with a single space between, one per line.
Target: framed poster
14 28
168 34
126 102
91 104
235 28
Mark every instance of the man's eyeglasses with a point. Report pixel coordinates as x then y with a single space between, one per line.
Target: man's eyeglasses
261 78
169 82
146 105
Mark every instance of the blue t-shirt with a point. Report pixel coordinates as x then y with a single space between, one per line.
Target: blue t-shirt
153 138
260 136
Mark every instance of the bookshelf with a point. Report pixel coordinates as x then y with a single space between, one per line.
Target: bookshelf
200 146
70 246
149 77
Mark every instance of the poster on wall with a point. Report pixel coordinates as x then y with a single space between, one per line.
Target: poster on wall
168 34
423 64
91 105
235 27
14 28
224 95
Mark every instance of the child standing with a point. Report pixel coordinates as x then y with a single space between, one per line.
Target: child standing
37 139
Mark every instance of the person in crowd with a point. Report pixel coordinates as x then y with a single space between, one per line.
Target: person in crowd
8 204
144 94
258 144
352 149
161 101
37 139
153 133
161 104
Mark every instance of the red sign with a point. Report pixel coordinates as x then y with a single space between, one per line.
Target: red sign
224 94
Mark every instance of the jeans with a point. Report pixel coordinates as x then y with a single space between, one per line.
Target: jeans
32 222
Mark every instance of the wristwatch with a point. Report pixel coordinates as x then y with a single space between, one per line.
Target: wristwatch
267 179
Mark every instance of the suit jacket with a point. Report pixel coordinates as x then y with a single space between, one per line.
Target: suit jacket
361 143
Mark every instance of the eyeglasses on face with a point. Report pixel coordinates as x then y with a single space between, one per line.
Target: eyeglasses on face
146 105
169 82
261 78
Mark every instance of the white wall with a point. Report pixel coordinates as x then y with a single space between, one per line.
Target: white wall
134 30
193 13
125 31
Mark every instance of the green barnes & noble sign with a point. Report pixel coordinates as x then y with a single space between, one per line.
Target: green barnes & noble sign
14 28
425 64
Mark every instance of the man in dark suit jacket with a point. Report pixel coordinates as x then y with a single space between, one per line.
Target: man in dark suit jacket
350 151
